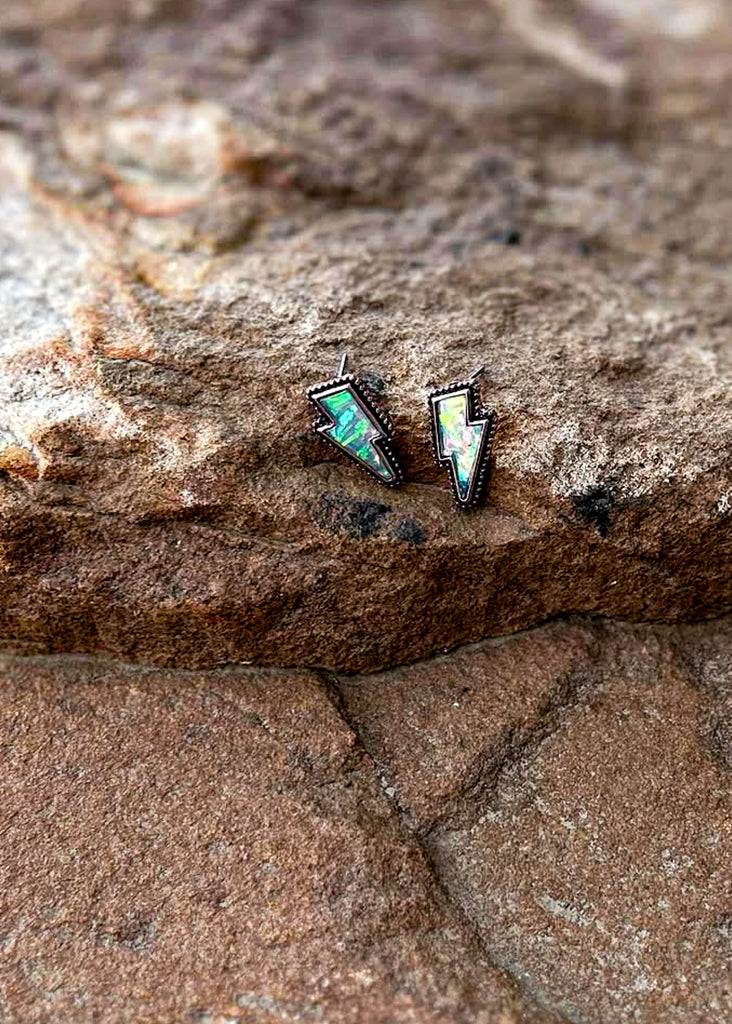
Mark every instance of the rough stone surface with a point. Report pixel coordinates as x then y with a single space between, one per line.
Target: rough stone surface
535 830
201 848
585 830
440 730
423 819
202 203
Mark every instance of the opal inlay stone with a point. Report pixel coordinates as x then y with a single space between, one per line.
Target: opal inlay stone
355 430
458 439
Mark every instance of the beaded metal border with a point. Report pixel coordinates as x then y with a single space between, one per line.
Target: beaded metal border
476 414
380 419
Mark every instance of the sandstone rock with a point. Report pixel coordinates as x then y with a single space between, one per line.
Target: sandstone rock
214 847
587 835
202 204
440 730
533 830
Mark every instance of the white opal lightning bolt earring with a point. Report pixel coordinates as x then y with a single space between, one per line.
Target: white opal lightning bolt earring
462 435
349 420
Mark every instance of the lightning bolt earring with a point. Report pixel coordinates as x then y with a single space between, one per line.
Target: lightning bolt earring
349 420
462 434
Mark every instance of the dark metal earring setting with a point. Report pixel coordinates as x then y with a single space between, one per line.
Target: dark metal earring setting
462 431
462 435
348 419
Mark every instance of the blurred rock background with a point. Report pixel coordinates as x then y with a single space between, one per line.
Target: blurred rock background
279 745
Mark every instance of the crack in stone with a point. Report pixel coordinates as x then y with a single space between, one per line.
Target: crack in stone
516 748
331 687
508 755
55 657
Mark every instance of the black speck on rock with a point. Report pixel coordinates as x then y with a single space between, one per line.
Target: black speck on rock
354 516
594 507
411 531
504 236
373 382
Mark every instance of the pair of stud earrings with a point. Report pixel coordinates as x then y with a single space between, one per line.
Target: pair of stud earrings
462 431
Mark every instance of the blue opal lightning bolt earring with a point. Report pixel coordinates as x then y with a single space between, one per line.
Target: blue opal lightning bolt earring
462 434
350 421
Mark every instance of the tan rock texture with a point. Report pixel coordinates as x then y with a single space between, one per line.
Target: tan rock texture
203 203
195 848
442 844
281 746
580 816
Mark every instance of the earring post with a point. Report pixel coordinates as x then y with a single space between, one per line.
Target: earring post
477 373
342 368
